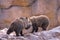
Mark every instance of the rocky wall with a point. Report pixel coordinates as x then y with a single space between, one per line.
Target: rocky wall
12 9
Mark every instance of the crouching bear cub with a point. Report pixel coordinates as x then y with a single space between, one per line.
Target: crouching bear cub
39 21
18 25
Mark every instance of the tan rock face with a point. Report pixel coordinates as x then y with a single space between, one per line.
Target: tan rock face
59 17
22 3
5 3
45 7
51 12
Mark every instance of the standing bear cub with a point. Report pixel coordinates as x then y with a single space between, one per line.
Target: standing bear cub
18 25
39 21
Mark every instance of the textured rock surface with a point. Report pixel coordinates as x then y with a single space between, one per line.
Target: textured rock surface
9 13
53 34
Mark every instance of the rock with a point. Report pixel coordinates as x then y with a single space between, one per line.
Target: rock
5 3
40 7
53 34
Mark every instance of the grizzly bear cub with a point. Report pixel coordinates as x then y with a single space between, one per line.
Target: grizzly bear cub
18 25
39 21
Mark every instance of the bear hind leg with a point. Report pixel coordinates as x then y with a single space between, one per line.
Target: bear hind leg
44 26
17 33
36 29
21 33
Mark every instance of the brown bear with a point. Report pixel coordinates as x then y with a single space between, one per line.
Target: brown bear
18 25
39 21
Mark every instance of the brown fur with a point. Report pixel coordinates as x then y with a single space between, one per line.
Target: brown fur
39 21
18 25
